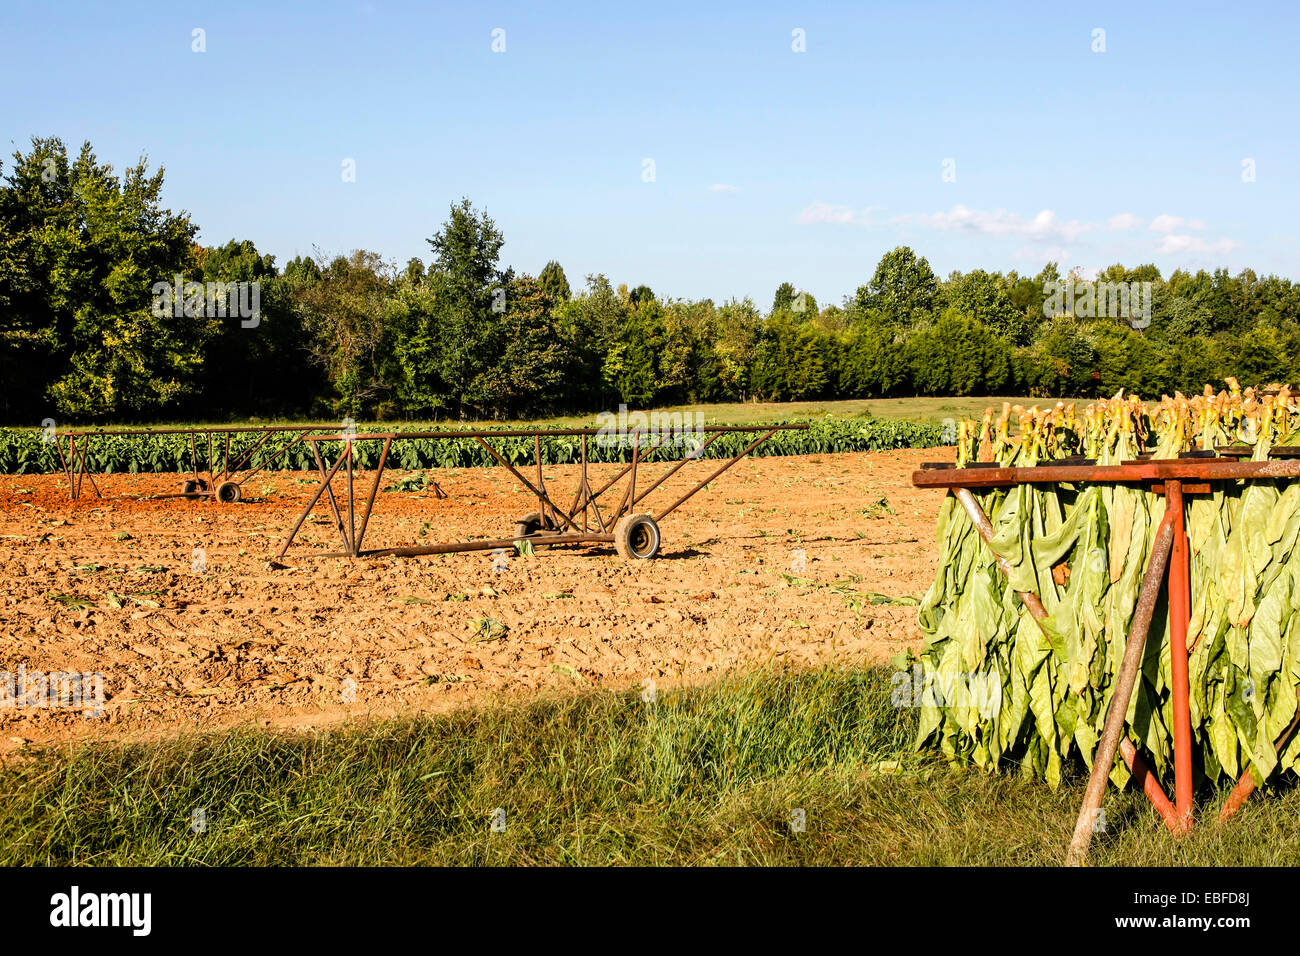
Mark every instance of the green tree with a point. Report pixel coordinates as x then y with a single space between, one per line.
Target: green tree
984 296
81 251
590 325
1063 359
528 377
1124 359
784 298
641 294
348 317
957 355
472 295
553 282
245 365
871 363
734 343
630 363
903 288
791 360
414 272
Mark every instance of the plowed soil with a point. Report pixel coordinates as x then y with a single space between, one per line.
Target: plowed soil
178 605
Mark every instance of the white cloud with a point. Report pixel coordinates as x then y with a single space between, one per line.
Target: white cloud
723 188
1045 237
999 222
1042 254
1177 244
1167 223
824 212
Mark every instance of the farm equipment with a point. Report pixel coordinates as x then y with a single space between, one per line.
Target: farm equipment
219 475
634 534
1218 519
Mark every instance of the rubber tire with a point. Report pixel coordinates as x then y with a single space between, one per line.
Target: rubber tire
530 524
228 492
637 538
189 487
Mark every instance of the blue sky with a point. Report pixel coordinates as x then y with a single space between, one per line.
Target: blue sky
770 165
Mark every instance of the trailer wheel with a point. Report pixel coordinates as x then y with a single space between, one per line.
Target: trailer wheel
636 537
228 492
531 524
190 488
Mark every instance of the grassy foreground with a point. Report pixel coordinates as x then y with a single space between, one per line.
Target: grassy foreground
709 775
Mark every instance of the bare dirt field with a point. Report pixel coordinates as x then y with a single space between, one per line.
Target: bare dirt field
218 637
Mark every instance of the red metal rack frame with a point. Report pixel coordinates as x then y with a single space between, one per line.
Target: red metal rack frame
1174 478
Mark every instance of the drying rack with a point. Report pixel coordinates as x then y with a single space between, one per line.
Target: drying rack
1192 473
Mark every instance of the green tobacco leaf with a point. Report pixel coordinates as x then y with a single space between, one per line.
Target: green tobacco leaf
487 629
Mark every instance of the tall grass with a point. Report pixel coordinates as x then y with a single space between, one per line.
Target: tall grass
701 775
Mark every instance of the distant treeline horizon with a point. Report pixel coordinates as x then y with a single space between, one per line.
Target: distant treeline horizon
110 311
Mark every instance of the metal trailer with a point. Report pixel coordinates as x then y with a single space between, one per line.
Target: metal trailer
223 483
635 535
1174 478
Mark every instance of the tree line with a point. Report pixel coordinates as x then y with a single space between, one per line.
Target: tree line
87 256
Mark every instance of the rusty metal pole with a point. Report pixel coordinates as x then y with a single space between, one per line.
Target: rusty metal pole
72 455
212 474
738 456
1104 756
67 470
77 468
625 500
673 470
329 491
85 469
352 509
541 484
582 487
1240 793
374 489
324 484
636 458
1180 613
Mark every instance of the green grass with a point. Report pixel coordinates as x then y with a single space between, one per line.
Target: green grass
708 775
924 409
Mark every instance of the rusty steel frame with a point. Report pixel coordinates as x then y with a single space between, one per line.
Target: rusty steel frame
1174 478
573 525
76 468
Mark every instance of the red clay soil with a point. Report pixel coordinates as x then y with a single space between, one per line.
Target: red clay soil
219 636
